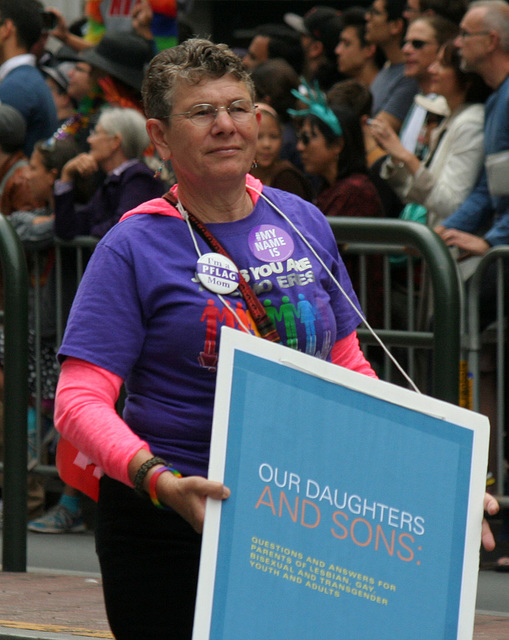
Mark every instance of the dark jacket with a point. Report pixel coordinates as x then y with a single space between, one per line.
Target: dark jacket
117 194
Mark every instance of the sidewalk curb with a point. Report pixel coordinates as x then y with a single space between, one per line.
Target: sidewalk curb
52 606
7 633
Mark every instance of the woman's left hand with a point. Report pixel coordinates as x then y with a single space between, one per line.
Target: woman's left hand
491 507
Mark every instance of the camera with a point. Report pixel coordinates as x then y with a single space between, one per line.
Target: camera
49 20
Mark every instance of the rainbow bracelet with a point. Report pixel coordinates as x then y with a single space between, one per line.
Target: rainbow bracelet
152 486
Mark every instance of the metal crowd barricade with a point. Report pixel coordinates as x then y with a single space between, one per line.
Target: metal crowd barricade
370 236
84 246
476 339
15 289
388 236
81 247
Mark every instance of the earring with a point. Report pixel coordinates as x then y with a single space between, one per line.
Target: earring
159 170
255 164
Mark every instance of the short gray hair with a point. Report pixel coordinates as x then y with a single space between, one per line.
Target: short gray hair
495 19
190 62
130 125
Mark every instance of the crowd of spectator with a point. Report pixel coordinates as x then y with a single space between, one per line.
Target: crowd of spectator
390 111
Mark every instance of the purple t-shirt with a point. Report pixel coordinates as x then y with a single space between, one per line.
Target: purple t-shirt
141 313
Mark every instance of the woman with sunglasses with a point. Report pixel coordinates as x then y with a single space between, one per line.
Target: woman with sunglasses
146 313
331 145
443 179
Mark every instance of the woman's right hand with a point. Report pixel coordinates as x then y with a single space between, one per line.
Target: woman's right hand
82 164
141 19
188 496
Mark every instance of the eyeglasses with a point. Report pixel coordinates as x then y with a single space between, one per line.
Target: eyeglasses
469 34
204 115
99 131
418 44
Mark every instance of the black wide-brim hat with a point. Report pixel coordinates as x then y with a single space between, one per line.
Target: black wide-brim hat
121 55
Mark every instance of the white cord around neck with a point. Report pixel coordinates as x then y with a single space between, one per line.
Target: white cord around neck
331 275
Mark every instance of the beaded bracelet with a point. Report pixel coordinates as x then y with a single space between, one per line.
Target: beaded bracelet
152 486
142 473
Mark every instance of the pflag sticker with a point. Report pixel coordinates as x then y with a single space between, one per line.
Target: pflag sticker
217 273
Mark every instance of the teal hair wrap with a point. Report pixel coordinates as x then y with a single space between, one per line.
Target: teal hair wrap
317 106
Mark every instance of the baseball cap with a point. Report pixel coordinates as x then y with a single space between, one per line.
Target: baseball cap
321 23
59 73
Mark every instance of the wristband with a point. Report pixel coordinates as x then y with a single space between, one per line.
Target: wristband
142 473
152 486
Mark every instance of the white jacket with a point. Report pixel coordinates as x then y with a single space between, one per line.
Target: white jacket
457 158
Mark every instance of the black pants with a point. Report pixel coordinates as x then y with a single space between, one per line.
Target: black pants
149 563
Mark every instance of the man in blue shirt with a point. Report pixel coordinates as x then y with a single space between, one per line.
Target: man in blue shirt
482 221
21 84
393 92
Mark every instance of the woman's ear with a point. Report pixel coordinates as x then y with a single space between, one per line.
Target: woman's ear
156 130
339 145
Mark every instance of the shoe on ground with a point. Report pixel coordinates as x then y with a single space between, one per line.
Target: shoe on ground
502 564
58 520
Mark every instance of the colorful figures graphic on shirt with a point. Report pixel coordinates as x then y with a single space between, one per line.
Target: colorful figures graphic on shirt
307 314
296 316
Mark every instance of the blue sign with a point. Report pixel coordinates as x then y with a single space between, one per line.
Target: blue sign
350 512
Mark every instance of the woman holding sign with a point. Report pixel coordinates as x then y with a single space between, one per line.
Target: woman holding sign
218 249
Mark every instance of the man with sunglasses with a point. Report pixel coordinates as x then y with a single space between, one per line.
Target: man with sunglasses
423 39
393 93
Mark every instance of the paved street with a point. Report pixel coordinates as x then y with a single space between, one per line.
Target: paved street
60 597
68 552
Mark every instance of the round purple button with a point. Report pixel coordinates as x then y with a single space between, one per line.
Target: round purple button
269 243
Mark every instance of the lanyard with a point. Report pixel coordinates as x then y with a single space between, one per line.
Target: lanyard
263 323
